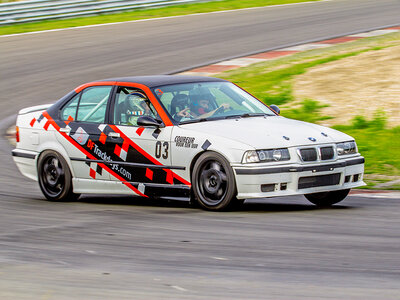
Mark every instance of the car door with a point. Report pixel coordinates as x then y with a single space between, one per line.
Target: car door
86 116
142 153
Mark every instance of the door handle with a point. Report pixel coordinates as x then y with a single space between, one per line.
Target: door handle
65 130
114 135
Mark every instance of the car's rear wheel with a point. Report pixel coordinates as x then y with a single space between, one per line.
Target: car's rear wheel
327 199
213 182
55 179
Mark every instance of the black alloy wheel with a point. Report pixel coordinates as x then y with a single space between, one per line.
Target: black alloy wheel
326 199
213 180
55 179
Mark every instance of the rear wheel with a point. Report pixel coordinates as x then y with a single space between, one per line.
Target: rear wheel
55 179
326 199
213 182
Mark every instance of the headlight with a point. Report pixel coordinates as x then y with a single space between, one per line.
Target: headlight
346 148
250 157
266 155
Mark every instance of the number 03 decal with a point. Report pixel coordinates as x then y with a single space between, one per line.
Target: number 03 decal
162 150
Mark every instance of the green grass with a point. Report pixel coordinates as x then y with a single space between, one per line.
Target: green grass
271 82
381 149
380 146
275 86
173 10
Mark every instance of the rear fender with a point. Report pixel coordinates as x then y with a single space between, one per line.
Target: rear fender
55 146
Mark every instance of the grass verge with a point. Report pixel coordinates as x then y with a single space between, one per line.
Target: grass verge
379 145
173 10
271 82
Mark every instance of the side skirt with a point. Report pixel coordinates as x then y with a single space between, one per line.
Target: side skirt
153 190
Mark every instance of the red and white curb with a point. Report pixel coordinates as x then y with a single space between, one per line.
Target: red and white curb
375 194
245 61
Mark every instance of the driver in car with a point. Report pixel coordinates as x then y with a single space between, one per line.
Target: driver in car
137 106
201 108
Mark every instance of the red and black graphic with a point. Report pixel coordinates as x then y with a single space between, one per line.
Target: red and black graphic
206 144
107 147
34 120
95 168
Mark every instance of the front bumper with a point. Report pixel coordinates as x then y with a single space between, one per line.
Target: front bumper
298 179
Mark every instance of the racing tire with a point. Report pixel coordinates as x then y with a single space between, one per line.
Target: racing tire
213 182
326 199
55 178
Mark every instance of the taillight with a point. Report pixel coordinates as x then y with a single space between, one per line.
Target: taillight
17 134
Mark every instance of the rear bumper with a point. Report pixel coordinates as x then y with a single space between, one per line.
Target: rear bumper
299 179
26 162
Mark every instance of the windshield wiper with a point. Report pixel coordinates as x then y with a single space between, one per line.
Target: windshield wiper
194 121
246 115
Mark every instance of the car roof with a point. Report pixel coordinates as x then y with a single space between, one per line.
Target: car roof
158 80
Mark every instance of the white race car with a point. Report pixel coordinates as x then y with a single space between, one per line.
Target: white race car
180 137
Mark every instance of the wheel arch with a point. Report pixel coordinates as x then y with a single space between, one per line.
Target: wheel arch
206 193
197 156
53 146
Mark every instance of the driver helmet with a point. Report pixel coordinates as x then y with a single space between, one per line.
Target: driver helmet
201 100
134 103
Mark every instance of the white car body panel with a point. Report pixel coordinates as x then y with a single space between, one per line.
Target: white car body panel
224 138
180 146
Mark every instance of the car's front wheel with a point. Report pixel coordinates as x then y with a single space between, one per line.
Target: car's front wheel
55 179
326 199
213 182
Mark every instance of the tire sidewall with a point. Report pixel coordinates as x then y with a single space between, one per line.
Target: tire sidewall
67 190
231 191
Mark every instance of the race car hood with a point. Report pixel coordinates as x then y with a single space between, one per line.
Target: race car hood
269 132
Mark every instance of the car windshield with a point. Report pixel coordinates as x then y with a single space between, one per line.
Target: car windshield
203 101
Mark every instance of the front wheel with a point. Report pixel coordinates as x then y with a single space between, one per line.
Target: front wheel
213 182
326 199
55 179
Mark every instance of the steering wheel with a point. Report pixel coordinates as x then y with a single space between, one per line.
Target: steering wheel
219 110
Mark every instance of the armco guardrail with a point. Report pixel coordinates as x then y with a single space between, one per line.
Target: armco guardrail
38 10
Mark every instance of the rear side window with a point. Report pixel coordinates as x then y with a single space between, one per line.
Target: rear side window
69 111
88 106
93 104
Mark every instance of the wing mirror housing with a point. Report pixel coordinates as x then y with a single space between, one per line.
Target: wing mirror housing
275 108
149 121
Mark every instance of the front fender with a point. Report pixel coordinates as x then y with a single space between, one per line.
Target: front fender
187 146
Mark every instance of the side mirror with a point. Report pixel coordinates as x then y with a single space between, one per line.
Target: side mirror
148 121
275 108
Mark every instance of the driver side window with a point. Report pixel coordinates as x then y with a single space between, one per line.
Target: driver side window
130 104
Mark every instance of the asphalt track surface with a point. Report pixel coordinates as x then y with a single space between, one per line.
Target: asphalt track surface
129 248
